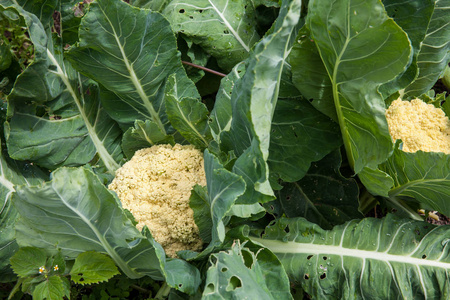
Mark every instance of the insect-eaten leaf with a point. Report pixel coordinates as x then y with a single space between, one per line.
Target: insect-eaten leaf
93 267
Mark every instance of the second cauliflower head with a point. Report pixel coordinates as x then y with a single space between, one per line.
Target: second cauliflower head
155 185
419 125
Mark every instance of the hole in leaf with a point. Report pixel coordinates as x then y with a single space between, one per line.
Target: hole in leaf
234 283
288 198
424 256
80 274
324 258
200 10
295 134
311 100
213 259
323 276
81 279
224 270
309 257
306 276
180 285
181 11
209 288
226 31
286 229
248 259
191 17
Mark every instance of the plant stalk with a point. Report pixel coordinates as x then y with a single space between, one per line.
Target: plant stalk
203 68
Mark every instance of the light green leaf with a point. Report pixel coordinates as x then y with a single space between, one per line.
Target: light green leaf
253 100
361 48
225 29
376 181
57 215
333 205
222 112
224 187
155 5
423 176
187 115
27 261
53 288
434 53
388 258
300 135
132 59
143 135
92 267
239 272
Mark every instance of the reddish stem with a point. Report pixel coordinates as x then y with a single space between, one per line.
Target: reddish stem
203 68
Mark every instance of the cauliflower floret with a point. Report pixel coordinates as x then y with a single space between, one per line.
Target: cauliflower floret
419 125
155 185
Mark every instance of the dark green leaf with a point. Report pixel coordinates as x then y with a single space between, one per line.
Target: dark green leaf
310 76
434 53
199 202
323 196
130 58
300 135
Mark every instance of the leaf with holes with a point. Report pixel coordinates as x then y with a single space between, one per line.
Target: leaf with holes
371 258
225 29
92 267
239 272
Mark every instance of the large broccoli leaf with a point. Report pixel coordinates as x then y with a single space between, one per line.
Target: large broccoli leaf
370 258
360 49
55 115
75 212
130 52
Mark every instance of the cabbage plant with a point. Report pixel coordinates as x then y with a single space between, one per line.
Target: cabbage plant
287 102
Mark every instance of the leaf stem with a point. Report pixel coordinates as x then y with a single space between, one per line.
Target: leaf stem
203 68
163 291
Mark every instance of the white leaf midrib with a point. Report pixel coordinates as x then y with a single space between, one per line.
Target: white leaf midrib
279 247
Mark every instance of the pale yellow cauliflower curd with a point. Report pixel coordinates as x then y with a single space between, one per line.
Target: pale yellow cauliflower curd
419 125
155 185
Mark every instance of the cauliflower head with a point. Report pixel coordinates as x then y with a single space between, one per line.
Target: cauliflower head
419 125
155 185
